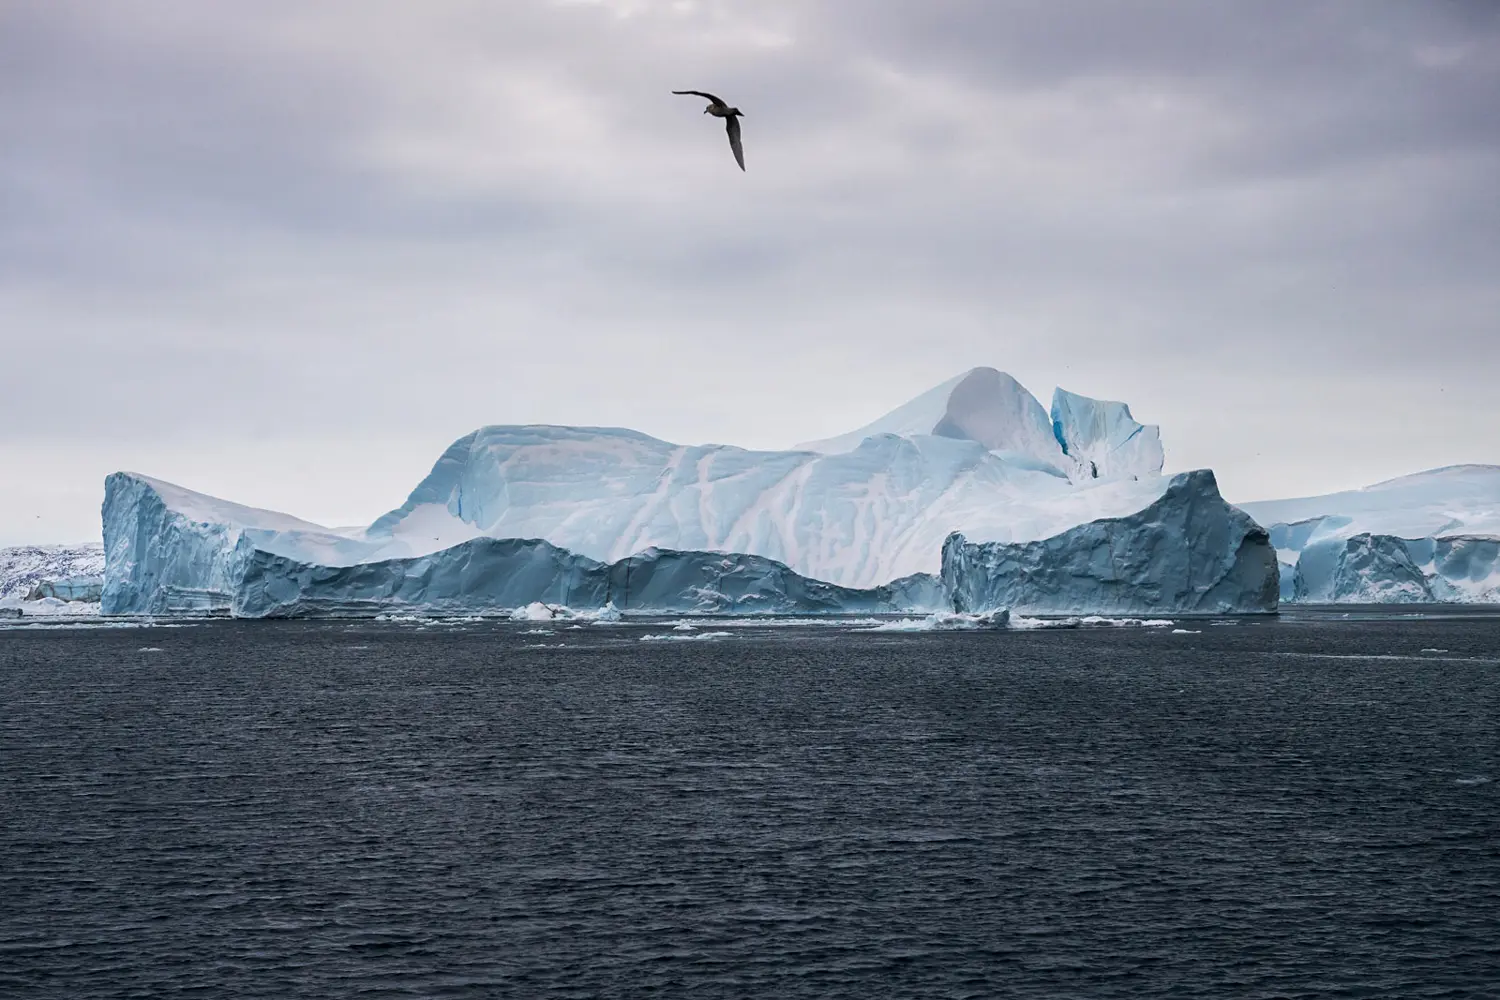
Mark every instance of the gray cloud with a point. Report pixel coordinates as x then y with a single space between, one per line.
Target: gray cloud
353 230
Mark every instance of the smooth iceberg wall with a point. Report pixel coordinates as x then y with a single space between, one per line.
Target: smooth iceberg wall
1188 552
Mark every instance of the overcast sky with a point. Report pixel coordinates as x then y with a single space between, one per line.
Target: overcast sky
285 252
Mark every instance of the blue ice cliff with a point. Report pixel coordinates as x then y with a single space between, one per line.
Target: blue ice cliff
826 526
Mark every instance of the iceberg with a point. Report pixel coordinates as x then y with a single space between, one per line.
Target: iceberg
1188 552
1431 537
511 515
64 572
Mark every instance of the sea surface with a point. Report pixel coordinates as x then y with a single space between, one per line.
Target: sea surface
1300 807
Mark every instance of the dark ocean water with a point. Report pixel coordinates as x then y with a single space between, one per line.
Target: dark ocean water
1303 808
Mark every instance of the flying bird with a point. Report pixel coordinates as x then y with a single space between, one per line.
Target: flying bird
731 116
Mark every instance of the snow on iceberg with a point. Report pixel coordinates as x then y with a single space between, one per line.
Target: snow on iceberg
1081 439
977 454
1188 551
1429 537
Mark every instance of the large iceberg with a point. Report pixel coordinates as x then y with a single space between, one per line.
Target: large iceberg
1188 552
842 518
1429 537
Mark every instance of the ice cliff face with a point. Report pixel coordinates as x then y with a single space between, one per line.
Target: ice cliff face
1429 537
168 549
1188 551
489 573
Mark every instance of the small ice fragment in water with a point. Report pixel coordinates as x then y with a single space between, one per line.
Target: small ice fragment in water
680 638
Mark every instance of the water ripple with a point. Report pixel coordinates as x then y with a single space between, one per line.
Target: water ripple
271 810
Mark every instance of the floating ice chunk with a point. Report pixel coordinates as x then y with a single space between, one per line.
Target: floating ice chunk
946 621
1100 620
607 615
536 611
683 638
1024 623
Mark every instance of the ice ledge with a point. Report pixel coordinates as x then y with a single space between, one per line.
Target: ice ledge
1189 551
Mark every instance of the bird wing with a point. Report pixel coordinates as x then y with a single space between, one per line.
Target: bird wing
732 126
698 93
